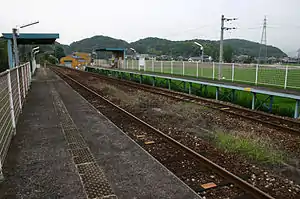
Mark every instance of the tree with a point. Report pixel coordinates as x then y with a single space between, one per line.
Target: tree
3 55
227 54
59 52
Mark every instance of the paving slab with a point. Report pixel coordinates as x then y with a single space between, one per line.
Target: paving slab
131 171
38 164
65 148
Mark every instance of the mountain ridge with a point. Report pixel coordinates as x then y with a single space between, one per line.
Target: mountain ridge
161 46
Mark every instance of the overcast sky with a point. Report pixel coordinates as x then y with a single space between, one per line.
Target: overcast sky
172 19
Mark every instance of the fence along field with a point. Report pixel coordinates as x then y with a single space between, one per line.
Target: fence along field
284 76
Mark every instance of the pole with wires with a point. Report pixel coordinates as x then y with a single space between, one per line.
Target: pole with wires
263 41
223 20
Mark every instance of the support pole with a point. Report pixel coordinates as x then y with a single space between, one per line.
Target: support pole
221 46
197 69
253 101
190 88
183 68
153 81
15 47
223 19
172 67
256 74
286 75
232 95
271 103
11 61
169 84
232 72
296 114
161 66
213 72
217 93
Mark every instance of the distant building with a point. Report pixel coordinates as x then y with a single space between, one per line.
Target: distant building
76 60
290 60
195 59
206 58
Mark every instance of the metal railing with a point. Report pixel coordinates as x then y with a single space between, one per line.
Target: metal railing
285 76
14 85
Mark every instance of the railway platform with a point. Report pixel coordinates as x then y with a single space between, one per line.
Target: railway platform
65 148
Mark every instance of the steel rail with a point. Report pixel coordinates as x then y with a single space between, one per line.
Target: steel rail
272 121
244 185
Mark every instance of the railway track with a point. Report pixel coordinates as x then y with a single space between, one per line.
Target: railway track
194 169
281 123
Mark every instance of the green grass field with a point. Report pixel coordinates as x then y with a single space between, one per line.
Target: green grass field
268 75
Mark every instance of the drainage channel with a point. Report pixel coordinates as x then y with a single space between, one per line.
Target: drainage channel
91 174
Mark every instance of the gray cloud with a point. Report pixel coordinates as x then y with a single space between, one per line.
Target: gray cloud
172 19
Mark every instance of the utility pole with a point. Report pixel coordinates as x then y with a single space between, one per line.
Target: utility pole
223 20
263 41
15 34
15 47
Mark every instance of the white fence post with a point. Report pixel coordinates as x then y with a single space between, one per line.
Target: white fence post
12 112
183 68
213 72
132 64
145 66
126 63
28 75
152 65
256 74
138 63
197 69
286 73
232 72
161 66
19 90
23 81
172 67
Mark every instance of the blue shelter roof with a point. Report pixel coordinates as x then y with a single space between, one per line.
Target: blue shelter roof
111 49
33 38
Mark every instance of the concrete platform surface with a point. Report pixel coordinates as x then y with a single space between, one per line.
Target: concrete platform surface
64 148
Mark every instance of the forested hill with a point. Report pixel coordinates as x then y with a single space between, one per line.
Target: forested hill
186 48
155 46
3 55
